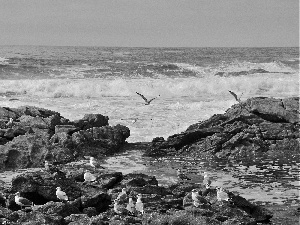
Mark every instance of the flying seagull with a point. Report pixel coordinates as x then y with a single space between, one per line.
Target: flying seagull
147 102
235 96
22 201
61 195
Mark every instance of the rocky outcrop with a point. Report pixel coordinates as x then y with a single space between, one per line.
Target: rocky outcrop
37 134
256 125
92 203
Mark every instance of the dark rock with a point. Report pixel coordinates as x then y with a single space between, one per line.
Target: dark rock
256 125
37 218
138 180
91 120
40 187
77 219
69 129
56 208
90 211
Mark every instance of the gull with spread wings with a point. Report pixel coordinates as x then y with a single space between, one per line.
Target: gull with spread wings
147 102
235 96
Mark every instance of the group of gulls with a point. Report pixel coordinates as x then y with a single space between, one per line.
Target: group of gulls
131 207
198 199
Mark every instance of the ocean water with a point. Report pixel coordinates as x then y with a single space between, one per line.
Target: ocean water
190 85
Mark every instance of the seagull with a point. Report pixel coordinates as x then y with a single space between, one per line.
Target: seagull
130 206
118 208
61 195
235 96
147 102
207 190
182 176
10 123
206 179
88 176
122 196
22 201
198 199
139 205
222 195
95 164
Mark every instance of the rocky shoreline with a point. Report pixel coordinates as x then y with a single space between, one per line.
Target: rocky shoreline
35 135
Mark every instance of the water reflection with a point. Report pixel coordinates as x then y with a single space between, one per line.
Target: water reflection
262 179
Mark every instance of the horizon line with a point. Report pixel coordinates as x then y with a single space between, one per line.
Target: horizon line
100 46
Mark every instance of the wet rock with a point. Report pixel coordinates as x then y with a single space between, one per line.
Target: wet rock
138 180
40 187
256 125
38 134
56 208
37 218
91 120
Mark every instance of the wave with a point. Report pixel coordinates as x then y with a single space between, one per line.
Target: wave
280 85
238 68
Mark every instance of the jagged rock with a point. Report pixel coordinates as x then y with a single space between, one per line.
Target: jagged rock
256 125
37 218
56 208
40 187
138 180
39 134
91 120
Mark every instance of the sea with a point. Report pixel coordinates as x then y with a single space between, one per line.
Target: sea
189 85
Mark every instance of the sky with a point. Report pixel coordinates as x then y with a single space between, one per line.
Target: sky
150 23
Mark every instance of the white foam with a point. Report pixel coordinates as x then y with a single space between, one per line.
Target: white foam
277 85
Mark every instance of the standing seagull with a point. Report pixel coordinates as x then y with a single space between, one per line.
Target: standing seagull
95 164
122 196
222 195
10 123
119 209
198 199
147 102
235 96
206 179
88 177
182 176
139 205
207 190
22 201
61 195
130 206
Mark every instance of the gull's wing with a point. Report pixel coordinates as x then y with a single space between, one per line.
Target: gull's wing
142 96
151 99
234 95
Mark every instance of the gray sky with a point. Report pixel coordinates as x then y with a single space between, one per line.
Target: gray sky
150 23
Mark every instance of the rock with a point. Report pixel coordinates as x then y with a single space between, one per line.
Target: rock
39 134
91 120
256 125
40 187
56 208
77 219
37 218
138 180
